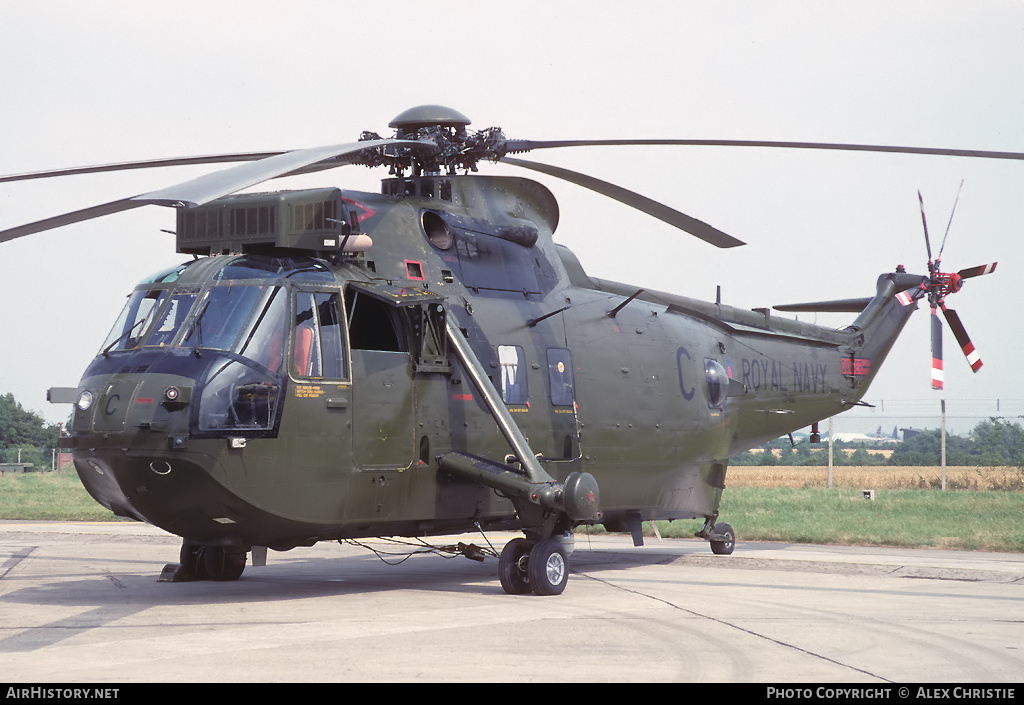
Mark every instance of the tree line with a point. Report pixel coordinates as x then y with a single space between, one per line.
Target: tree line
992 443
27 432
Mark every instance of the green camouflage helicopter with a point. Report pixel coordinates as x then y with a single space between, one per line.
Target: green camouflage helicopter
426 361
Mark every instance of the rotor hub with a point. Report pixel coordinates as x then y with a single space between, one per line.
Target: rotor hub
446 145
428 116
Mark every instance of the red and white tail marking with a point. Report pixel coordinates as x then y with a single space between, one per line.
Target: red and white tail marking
936 373
972 356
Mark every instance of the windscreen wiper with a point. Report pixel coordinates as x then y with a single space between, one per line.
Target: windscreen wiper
124 335
197 327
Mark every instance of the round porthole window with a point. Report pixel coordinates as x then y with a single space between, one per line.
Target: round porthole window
718 382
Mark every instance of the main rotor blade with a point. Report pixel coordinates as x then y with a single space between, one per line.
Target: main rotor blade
646 205
977 271
147 164
208 187
962 339
69 218
527 145
936 349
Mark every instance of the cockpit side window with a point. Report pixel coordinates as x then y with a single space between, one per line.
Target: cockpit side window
264 343
317 349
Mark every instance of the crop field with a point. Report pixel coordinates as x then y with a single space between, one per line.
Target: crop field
877 477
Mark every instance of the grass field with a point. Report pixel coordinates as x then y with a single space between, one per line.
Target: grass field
59 496
988 521
783 504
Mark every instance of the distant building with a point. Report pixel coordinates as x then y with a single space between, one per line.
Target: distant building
863 438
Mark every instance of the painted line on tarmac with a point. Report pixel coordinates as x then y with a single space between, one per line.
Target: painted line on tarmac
14 560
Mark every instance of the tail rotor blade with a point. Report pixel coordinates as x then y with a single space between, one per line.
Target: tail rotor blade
943 246
937 377
924 222
977 271
962 339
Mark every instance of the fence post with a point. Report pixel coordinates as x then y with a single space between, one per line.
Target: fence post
830 452
943 446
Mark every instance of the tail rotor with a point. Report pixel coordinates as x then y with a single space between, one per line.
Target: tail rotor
939 285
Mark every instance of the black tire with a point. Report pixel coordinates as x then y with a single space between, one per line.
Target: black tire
192 563
511 572
726 547
223 565
548 568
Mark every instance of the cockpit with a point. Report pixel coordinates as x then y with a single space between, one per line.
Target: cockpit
224 322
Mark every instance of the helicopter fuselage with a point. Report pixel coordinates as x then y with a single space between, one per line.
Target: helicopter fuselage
271 396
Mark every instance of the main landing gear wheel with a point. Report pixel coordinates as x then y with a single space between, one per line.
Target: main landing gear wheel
542 569
548 568
512 570
726 545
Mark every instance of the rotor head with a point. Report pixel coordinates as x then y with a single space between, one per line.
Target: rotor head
428 116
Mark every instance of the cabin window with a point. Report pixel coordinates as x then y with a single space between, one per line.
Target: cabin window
560 377
372 324
317 349
514 388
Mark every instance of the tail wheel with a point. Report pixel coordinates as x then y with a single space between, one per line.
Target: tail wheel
512 570
548 567
725 545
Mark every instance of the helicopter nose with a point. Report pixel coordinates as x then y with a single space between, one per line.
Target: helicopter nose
135 404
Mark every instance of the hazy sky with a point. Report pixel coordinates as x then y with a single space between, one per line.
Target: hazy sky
90 83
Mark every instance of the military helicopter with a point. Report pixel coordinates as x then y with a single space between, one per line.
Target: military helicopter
426 360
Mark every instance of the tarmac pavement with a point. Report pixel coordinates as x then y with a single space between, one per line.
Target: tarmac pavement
80 603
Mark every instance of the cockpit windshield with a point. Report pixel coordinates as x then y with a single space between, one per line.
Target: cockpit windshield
170 320
240 309
221 316
214 320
